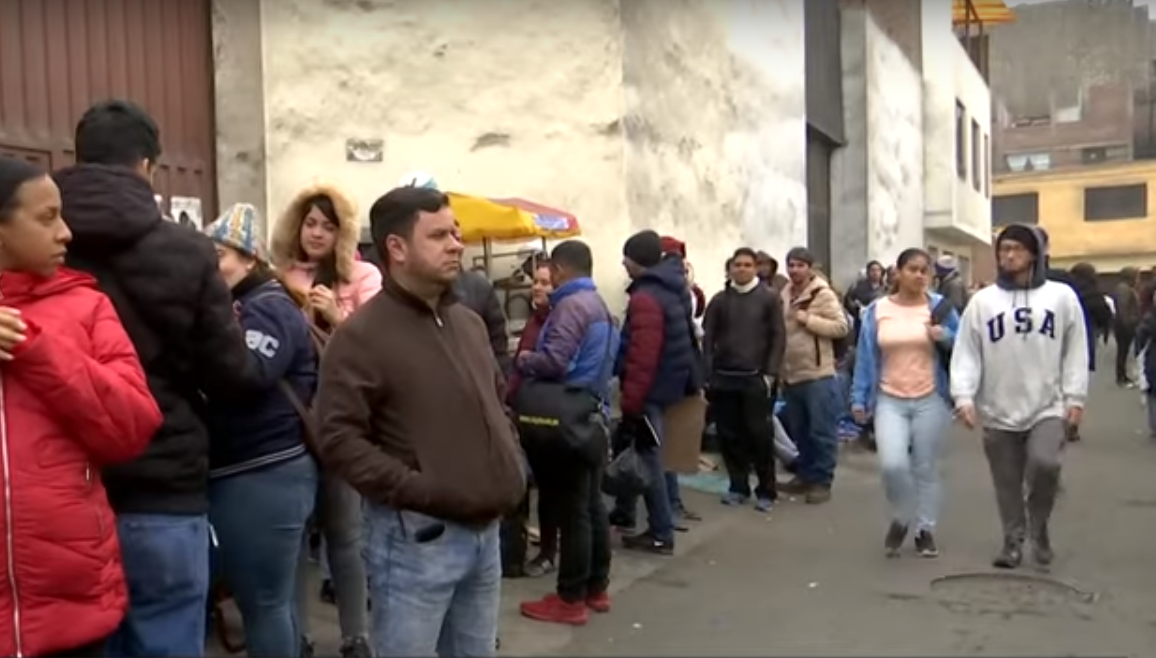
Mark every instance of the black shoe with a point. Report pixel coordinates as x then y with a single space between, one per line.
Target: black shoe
621 520
925 544
306 647
1010 557
356 647
896 534
328 594
1042 548
648 543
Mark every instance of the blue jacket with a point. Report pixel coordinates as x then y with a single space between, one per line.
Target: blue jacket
265 428
577 343
865 385
658 363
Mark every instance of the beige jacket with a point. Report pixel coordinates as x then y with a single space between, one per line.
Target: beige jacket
810 354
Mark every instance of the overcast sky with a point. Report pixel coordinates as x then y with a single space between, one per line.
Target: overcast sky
1151 4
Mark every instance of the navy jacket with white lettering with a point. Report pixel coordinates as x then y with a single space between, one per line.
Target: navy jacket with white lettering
264 428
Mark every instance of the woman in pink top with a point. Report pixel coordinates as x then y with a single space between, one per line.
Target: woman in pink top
901 367
314 246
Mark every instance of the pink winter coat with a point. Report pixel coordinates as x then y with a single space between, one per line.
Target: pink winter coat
357 280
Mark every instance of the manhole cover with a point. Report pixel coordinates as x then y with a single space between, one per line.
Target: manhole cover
1010 594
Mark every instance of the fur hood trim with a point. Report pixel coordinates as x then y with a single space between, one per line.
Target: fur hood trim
285 243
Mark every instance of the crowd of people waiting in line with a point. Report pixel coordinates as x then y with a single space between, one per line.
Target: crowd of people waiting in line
164 391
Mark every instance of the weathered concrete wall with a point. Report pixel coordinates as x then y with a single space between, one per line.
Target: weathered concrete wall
877 176
953 205
849 163
1055 50
715 132
686 117
895 148
240 102
492 98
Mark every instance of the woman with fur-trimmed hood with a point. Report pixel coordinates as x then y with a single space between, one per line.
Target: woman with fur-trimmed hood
314 247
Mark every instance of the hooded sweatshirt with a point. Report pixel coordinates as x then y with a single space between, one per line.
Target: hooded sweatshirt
1021 353
357 280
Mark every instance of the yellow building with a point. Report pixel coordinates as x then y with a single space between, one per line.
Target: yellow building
1102 214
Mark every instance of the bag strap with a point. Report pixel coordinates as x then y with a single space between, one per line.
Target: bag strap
308 421
941 310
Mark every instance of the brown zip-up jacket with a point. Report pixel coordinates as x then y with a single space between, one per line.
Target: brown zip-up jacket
410 411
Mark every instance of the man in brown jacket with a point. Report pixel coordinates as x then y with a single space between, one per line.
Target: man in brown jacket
814 319
410 414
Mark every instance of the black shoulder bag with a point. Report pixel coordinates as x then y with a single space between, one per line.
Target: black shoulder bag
564 418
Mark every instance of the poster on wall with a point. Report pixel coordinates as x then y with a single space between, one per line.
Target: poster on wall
186 210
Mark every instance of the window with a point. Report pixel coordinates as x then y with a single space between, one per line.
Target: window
1015 209
964 266
1116 202
960 141
1096 154
987 166
976 153
1029 161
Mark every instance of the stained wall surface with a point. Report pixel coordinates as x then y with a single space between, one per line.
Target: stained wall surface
685 117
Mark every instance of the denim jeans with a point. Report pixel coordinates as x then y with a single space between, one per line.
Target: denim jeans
338 515
166 564
673 492
812 412
911 481
436 595
659 514
259 517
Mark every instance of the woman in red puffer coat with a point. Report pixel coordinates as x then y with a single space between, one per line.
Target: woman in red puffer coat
73 398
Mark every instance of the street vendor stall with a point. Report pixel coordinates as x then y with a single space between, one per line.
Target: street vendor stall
516 223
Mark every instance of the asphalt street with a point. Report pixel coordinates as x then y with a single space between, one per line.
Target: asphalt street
814 581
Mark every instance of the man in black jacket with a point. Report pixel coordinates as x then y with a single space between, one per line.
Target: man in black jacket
163 280
476 292
745 336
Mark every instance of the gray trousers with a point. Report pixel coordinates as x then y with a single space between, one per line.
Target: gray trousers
338 516
1025 469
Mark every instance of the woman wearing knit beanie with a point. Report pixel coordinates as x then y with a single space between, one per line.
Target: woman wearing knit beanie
262 479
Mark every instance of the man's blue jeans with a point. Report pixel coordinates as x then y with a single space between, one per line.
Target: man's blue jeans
659 515
166 564
812 412
259 517
432 594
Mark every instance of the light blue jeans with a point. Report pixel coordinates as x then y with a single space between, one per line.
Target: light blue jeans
434 593
909 433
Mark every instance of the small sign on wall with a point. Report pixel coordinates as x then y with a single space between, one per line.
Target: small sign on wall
364 150
186 210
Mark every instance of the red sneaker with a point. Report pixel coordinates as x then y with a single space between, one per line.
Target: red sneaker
553 609
599 602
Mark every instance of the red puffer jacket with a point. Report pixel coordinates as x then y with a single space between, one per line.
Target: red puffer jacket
73 398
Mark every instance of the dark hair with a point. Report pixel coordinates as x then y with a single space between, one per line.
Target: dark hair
396 213
875 263
574 255
117 132
743 251
327 268
906 256
801 254
14 173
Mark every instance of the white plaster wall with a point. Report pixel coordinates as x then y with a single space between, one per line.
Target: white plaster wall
949 75
540 82
715 125
895 148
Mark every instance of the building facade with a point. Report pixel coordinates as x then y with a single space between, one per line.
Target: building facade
1101 214
725 122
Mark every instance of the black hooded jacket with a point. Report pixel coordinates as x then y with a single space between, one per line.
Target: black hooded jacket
163 280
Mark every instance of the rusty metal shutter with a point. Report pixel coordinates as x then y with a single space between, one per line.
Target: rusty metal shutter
57 57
